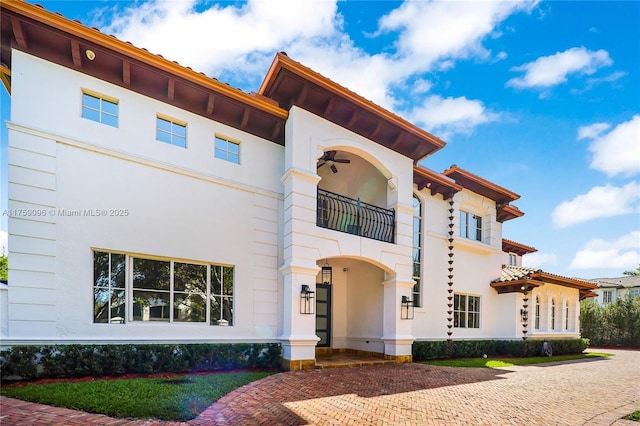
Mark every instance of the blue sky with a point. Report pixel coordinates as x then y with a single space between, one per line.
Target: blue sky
542 98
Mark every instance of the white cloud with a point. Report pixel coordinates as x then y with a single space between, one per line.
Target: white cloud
223 37
616 152
599 202
435 31
548 71
538 260
237 43
622 253
451 115
592 131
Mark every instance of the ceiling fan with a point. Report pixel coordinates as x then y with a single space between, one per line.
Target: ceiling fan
329 158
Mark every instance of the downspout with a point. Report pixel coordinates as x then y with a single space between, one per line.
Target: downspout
450 276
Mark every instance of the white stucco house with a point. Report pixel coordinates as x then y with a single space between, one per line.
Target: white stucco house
150 203
612 289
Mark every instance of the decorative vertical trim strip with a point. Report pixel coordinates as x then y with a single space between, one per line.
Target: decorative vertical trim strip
450 276
525 315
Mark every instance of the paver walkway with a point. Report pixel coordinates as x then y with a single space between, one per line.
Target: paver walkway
593 392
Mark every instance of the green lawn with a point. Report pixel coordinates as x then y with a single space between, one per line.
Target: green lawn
175 398
635 416
507 362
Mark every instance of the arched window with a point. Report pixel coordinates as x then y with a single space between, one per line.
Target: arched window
417 250
537 323
553 314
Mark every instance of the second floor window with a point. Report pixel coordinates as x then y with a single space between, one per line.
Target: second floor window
470 226
100 108
513 259
171 131
227 150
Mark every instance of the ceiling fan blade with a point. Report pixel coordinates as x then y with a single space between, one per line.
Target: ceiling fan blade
334 169
341 160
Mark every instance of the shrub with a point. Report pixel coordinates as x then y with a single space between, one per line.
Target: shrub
31 362
616 323
441 349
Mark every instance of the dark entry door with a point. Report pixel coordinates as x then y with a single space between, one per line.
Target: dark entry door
323 314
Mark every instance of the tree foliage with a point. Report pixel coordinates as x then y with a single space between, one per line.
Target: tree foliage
616 323
632 273
4 266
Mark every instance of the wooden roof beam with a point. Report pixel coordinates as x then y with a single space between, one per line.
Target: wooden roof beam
75 54
171 88
245 118
18 33
126 73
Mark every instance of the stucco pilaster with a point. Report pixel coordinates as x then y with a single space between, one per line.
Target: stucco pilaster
397 333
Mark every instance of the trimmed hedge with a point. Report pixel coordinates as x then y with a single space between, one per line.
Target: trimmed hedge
33 362
442 349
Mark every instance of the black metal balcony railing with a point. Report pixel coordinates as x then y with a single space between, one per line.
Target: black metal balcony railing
345 214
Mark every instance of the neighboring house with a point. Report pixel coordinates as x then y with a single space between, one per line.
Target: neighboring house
611 289
150 203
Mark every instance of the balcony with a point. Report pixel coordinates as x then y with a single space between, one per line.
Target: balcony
355 217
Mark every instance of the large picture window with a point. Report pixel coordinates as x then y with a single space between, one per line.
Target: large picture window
466 311
161 290
470 226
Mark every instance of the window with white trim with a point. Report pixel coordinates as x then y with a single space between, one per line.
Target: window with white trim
537 319
513 259
466 311
161 290
417 250
553 314
227 149
566 315
607 296
470 226
109 295
171 131
100 108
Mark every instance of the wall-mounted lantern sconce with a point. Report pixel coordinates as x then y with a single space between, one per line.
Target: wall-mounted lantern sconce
406 308
524 315
327 274
307 300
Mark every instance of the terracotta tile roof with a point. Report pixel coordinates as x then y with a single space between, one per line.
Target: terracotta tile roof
512 273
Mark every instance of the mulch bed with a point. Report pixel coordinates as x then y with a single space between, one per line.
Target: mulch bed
179 377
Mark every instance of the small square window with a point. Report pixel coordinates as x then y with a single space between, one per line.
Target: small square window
227 150
171 132
100 108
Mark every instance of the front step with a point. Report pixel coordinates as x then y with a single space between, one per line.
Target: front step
344 358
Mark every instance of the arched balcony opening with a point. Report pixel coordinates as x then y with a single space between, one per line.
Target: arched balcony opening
352 197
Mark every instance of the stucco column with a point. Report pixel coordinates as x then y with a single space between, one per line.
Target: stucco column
397 333
298 329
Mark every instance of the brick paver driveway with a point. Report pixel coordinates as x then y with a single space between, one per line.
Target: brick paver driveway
594 392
